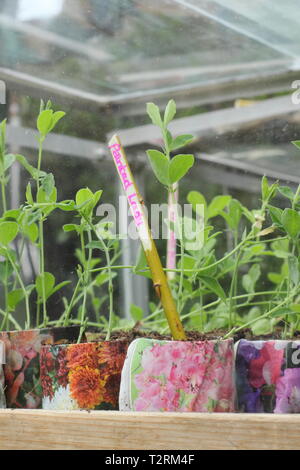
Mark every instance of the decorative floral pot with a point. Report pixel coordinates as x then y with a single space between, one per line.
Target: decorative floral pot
268 376
2 381
178 376
82 376
22 368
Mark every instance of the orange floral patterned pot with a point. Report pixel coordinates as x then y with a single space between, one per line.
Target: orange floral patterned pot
22 368
82 376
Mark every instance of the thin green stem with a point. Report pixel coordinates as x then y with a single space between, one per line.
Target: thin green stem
86 276
41 240
11 319
41 140
104 268
265 315
110 281
233 290
217 302
296 197
6 295
42 269
3 192
179 226
26 297
66 314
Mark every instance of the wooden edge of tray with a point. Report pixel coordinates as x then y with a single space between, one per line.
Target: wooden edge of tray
79 430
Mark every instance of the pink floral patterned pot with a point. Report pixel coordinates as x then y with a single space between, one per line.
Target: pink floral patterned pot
82 376
22 368
268 376
178 376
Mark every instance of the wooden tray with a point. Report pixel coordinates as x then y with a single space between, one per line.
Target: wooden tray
40 429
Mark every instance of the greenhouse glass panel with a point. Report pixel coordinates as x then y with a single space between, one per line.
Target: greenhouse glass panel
131 49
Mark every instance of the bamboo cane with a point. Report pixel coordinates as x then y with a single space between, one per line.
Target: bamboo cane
135 201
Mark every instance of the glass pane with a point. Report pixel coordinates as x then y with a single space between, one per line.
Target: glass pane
122 49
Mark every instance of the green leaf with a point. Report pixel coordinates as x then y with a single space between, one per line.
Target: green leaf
71 228
29 197
214 286
14 298
9 159
187 262
160 166
197 199
12 214
104 277
170 112
85 201
141 262
6 271
57 116
294 269
44 122
250 279
43 198
291 222
31 170
141 265
67 205
248 214
169 138
276 215
136 313
234 214
8 232
95 245
42 105
181 141
47 120
179 166
48 104
281 245
264 188
253 313
97 196
296 143
31 231
217 205
154 114
286 191
49 283
275 278
48 184
268 192
59 286
295 308
262 327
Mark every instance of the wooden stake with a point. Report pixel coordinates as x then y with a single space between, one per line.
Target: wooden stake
135 202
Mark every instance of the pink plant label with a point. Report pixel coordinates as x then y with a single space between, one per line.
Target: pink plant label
171 246
128 184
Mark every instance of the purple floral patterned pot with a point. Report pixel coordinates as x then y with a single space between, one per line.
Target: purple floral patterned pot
178 376
268 376
22 368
